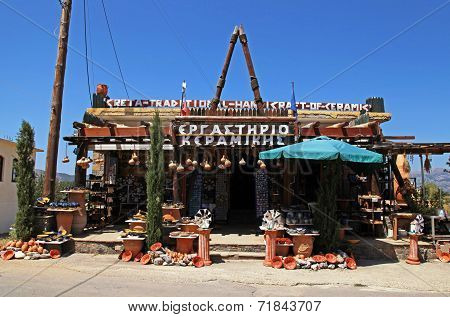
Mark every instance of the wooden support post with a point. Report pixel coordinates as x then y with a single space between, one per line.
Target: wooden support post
221 83
80 173
422 176
56 106
251 70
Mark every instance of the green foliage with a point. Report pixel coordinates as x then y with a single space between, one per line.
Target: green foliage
155 182
59 186
434 195
325 215
25 181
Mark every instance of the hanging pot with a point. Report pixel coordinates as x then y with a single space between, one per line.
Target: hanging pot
66 159
207 166
227 163
188 162
194 163
134 157
221 166
259 162
172 165
262 166
242 162
180 168
223 159
80 162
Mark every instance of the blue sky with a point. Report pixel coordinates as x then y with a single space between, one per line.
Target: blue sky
160 43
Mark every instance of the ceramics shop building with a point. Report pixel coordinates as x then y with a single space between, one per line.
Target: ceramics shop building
211 153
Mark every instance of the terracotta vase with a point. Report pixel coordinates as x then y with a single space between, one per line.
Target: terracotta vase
277 262
290 263
185 245
133 245
303 245
413 256
64 220
198 261
191 227
270 236
203 245
282 250
79 217
139 224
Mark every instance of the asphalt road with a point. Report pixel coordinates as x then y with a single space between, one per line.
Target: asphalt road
104 275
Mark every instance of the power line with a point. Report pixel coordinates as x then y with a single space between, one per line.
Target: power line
86 52
114 48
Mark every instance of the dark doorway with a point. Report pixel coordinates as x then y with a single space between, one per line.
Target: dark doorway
242 194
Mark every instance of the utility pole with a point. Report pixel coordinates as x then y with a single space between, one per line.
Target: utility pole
56 106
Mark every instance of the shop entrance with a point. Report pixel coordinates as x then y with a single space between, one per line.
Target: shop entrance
242 195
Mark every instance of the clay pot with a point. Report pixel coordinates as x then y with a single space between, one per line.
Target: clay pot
145 259
223 159
277 262
319 258
126 256
444 257
31 242
198 262
134 246
131 162
351 264
180 168
282 250
66 159
8 255
24 247
207 166
194 163
172 165
188 162
227 163
242 162
40 250
54 254
289 263
155 246
134 157
331 258
138 257
102 89
63 219
19 244
221 166
263 166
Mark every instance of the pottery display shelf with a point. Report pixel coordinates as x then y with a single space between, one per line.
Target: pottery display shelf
185 244
133 244
303 243
64 217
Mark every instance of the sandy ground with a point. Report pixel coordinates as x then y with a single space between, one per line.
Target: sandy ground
104 275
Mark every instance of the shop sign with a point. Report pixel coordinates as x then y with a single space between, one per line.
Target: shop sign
235 104
232 134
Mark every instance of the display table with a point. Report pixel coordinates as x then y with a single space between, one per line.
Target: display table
203 245
396 217
64 247
413 256
80 216
64 217
303 243
185 244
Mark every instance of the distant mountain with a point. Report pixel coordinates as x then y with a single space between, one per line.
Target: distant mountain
437 176
61 176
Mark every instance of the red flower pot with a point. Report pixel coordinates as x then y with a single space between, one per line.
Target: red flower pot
282 250
133 245
445 257
319 258
351 264
8 255
277 262
126 256
290 263
198 261
331 258
145 259
155 246
54 254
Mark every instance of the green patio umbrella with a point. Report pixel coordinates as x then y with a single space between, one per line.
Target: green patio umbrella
323 148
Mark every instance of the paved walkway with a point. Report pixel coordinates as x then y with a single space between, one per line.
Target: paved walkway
104 275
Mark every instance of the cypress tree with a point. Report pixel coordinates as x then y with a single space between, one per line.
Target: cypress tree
25 181
155 179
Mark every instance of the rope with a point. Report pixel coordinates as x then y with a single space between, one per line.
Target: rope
86 52
114 48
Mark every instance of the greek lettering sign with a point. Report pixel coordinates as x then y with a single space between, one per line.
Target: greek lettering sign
231 134
236 104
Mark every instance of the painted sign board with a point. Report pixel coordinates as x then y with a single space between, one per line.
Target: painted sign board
232 134
236 104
